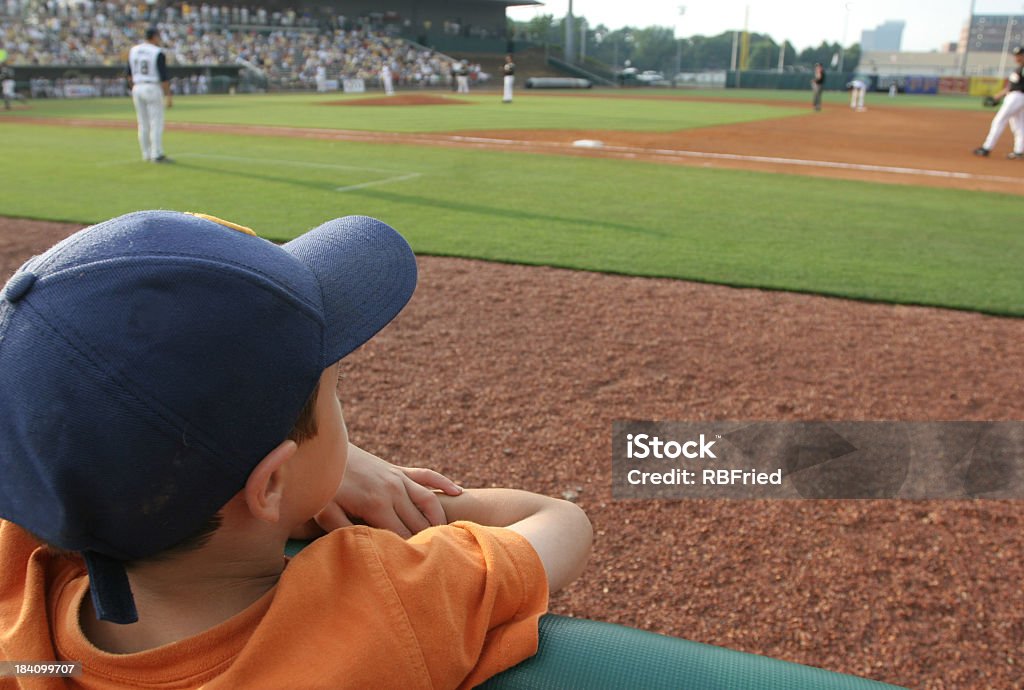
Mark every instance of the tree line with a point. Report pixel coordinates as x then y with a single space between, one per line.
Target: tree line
656 48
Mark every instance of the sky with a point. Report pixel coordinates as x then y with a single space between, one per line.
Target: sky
805 23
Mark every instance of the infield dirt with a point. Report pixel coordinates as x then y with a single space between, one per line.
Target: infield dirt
512 375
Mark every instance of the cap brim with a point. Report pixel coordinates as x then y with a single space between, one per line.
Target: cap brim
367 273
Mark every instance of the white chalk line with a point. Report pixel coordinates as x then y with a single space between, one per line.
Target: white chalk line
280 161
635 151
621 151
374 183
400 177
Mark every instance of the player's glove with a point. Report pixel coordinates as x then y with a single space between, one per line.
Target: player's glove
990 102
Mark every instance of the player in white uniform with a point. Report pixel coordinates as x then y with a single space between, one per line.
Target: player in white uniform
462 77
509 70
387 80
151 87
7 81
857 90
1011 112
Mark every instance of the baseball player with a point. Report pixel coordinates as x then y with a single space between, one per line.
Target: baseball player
151 88
387 80
857 90
7 82
818 84
462 76
509 70
1011 111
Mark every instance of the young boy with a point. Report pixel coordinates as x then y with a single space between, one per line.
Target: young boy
169 417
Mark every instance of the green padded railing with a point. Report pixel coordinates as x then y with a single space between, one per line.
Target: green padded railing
580 654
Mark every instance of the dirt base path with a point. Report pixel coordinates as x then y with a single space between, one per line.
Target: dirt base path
886 144
512 375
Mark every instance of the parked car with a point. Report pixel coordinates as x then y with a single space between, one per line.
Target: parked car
557 83
650 76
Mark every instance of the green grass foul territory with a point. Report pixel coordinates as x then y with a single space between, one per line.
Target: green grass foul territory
860 240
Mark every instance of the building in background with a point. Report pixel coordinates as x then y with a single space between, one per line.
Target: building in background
885 37
992 33
933 64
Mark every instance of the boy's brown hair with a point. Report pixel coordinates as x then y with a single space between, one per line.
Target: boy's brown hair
305 429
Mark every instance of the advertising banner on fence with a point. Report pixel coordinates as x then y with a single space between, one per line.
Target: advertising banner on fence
929 85
954 84
911 460
985 86
353 85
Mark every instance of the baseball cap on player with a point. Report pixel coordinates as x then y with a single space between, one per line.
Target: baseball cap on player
1019 50
149 362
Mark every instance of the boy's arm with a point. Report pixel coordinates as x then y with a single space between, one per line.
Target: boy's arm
400 499
559 531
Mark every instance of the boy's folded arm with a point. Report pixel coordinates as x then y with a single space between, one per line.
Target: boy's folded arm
559 531
374 491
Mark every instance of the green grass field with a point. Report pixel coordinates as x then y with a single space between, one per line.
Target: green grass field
483 111
860 240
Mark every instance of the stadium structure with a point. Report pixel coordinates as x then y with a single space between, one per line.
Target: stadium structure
235 44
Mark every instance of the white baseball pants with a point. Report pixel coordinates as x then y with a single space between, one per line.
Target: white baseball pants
149 111
1011 112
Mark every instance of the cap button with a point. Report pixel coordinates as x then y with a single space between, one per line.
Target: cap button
18 286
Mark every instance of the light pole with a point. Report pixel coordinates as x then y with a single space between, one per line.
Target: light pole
583 40
967 45
679 44
842 46
1010 21
570 35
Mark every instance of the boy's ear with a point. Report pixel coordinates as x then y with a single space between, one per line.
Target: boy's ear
265 486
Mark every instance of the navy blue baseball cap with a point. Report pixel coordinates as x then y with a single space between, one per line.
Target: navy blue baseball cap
149 362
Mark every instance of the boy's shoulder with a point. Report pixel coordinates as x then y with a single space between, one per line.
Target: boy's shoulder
454 604
440 600
32 579
462 549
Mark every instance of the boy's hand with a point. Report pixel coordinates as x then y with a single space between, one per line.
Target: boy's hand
380 494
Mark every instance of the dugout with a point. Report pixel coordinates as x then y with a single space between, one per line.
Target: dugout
220 78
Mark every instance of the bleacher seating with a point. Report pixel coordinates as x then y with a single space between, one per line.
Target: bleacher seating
293 50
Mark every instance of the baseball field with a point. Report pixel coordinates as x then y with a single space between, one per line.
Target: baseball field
720 255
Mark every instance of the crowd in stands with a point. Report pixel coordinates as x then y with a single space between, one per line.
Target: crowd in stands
291 49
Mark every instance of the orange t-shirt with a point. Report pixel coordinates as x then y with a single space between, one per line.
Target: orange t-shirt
358 608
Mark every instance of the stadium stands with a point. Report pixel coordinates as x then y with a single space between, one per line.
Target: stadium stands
293 50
